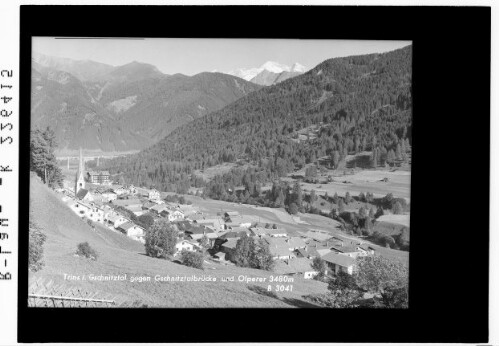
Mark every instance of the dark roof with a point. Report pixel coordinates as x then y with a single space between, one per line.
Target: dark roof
297 265
196 230
309 251
230 243
126 225
341 260
81 193
366 247
345 249
233 234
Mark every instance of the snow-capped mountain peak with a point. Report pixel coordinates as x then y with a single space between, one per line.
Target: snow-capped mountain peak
270 66
275 67
297 67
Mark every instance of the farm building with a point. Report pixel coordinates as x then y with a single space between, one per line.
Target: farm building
309 252
154 194
158 209
339 262
185 245
238 221
172 215
292 243
148 205
270 232
119 190
215 224
133 231
115 219
297 266
231 214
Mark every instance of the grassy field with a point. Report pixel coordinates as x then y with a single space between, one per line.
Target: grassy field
399 184
402 220
119 255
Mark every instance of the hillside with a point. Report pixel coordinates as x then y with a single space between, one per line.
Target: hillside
119 255
268 78
122 108
354 104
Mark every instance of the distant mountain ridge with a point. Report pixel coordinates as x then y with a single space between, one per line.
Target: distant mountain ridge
122 108
269 73
340 107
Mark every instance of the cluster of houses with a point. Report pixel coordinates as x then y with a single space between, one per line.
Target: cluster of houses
293 254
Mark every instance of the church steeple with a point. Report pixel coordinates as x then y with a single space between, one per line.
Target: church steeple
80 177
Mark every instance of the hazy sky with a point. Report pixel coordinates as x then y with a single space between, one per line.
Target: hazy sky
191 56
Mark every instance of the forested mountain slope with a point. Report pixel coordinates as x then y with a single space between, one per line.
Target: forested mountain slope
350 104
126 108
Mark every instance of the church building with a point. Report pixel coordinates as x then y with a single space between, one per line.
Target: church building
80 176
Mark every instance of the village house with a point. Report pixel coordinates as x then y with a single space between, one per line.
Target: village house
99 177
183 244
148 205
367 248
235 234
283 248
154 194
338 262
119 190
354 250
297 266
215 224
131 189
197 233
172 215
230 214
270 232
281 252
238 221
196 216
292 243
114 219
158 209
133 231
309 252
95 214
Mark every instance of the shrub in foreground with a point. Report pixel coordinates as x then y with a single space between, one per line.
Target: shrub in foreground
85 250
161 238
36 240
192 259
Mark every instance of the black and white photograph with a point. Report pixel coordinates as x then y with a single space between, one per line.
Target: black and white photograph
220 173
